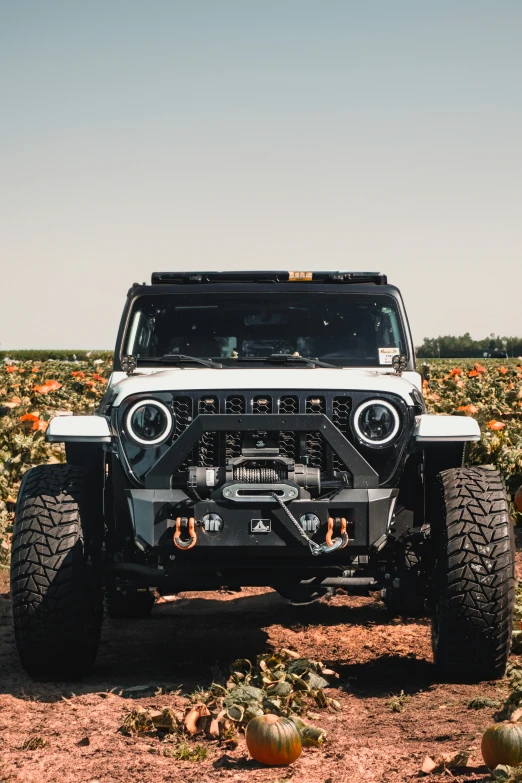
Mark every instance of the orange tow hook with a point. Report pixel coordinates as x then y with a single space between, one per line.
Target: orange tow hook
329 533
183 543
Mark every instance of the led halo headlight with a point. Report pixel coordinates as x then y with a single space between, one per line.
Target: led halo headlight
149 422
376 422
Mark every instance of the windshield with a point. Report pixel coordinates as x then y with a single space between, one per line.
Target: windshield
345 329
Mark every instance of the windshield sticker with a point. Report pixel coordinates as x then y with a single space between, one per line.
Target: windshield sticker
386 355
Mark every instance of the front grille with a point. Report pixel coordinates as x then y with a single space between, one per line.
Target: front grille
308 447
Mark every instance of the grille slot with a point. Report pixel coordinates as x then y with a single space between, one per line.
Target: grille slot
183 411
289 405
261 404
234 405
182 407
288 440
341 409
315 445
208 446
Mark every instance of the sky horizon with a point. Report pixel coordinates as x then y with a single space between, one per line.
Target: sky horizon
288 134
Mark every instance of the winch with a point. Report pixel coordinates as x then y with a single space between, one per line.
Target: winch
271 469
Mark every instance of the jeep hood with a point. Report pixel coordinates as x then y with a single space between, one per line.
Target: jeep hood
181 379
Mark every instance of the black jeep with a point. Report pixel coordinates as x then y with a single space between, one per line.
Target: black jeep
263 428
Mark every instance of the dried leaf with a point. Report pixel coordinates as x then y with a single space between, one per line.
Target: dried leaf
236 712
225 762
446 761
299 684
311 736
482 701
428 765
192 717
507 774
290 653
137 722
315 681
166 719
213 729
279 688
33 743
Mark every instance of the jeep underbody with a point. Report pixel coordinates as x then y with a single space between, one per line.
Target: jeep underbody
263 429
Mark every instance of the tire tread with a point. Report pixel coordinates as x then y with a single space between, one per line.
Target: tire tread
475 575
50 583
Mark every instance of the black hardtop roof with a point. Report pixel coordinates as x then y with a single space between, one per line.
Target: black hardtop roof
245 276
282 282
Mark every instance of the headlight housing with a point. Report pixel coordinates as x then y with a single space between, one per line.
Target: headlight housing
376 422
149 422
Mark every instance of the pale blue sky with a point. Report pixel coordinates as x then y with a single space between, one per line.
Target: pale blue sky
156 135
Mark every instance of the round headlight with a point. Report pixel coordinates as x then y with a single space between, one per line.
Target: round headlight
376 422
149 422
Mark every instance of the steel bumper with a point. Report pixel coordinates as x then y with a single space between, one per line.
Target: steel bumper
154 513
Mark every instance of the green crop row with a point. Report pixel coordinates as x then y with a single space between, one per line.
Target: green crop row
65 355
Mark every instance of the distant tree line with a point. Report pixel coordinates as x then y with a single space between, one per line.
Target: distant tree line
465 346
45 354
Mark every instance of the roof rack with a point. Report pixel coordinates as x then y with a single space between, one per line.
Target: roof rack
166 278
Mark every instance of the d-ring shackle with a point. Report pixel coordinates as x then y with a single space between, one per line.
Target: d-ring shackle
181 543
329 533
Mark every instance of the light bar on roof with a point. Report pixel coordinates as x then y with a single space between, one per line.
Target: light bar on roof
325 276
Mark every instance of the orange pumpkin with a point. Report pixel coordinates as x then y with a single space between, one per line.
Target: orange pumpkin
273 740
502 744
518 498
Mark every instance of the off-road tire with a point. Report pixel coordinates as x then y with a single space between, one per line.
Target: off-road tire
474 583
410 598
55 584
131 604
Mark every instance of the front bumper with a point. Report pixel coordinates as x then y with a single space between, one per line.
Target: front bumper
154 511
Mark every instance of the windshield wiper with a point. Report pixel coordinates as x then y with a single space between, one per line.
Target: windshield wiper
181 358
284 358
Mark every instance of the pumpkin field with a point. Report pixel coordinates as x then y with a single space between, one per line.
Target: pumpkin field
32 392
170 696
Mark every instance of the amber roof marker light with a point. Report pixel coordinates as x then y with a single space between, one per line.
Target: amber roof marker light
300 277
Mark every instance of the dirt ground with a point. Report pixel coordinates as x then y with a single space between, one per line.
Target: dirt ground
189 641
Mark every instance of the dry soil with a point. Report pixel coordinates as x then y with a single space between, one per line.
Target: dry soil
192 639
